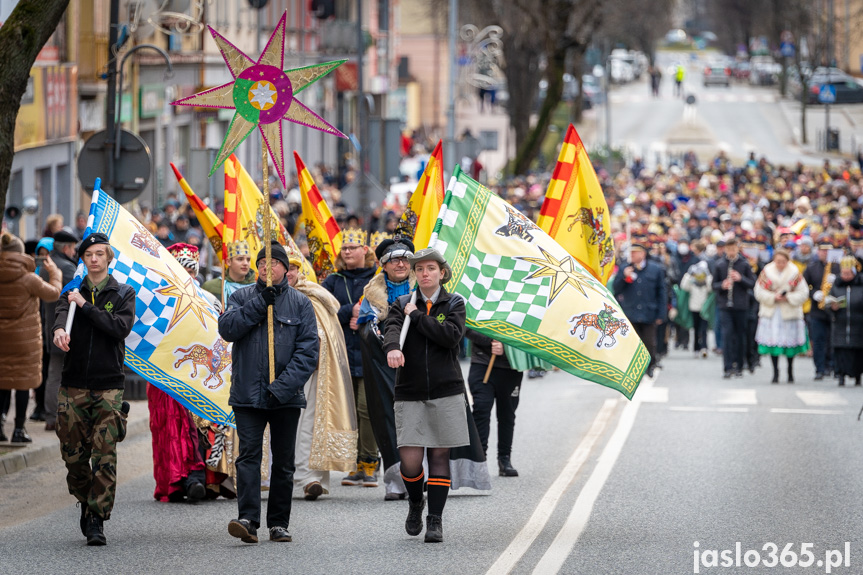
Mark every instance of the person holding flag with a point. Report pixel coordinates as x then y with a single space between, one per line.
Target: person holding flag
91 417
429 391
257 401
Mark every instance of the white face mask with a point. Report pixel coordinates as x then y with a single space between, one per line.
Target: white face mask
683 249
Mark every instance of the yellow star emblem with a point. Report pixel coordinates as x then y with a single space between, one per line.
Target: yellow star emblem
187 298
562 273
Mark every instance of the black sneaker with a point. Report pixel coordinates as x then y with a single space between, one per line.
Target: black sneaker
95 531
414 522
434 529
20 435
280 534
243 530
505 468
355 478
727 375
37 415
196 492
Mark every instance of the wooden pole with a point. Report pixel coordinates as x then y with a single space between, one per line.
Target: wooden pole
268 250
489 368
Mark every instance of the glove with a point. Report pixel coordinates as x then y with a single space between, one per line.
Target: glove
818 296
269 294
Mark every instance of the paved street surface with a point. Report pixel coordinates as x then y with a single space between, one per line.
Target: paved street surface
606 486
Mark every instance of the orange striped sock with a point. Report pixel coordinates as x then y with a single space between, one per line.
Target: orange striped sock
414 486
438 489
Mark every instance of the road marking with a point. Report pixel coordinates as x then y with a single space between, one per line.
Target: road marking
562 546
821 398
807 411
700 409
534 526
737 397
654 395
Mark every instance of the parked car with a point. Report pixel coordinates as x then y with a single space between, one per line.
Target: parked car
764 71
847 90
741 70
717 76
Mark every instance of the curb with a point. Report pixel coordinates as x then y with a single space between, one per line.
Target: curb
32 456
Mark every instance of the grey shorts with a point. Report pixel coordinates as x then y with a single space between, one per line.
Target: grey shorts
432 423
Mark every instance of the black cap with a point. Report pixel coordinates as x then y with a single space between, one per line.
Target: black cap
65 237
277 252
91 240
397 247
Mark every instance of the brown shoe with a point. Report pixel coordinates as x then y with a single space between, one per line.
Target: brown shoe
50 427
312 491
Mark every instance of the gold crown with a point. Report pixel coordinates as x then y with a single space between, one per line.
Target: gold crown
354 236
294 256
849 263
239 248
377 238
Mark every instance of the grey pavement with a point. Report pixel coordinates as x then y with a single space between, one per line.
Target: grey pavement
708 460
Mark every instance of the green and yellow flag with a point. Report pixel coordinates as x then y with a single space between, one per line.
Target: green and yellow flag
523 289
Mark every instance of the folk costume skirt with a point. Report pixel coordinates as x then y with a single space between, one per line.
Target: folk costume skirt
435 423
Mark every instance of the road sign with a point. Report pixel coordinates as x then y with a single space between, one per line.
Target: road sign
131 170
787 49
827 94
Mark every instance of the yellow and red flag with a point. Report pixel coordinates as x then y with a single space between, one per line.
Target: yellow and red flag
420 214
210 223
251 205
322 231
575 212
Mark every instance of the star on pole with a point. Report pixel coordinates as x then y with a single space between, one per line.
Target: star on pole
263 94
562 273
186 292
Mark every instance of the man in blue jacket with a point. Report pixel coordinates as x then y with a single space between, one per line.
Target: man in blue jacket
640 289
257 401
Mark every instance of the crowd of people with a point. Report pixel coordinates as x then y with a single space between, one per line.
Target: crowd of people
744 261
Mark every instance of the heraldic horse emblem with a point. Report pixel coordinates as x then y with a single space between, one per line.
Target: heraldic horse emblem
604 322
215 361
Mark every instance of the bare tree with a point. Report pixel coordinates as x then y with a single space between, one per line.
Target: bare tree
21 38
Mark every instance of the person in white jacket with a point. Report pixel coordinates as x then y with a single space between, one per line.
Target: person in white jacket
781 291
698 283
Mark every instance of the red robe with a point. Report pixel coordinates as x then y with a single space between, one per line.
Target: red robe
175 443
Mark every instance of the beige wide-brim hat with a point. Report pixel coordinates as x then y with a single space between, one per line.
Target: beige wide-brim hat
431 254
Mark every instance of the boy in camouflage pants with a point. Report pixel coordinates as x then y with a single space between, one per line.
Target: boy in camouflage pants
91 418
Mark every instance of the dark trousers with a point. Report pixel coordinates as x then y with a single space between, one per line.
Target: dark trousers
734 336
751 346
681 336
660 340
647 333
822 350
22 398
283 437
699 326
503 387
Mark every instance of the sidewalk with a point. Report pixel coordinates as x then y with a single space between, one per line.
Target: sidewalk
46 446
847 118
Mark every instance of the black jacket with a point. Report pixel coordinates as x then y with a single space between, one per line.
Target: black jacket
480 352
97 347
741 291
295 331
431 369
49 309
348 286
645 299
814 276
847 329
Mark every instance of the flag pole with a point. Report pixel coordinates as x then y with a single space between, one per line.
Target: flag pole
268 250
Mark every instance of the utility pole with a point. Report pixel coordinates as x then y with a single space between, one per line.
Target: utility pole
831 34
362 118
450 160
111 102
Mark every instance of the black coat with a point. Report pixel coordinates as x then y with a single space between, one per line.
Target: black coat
742 290
847 329
481 350
431 368
97 348
295 331
645 299
348 286
814 276
49 309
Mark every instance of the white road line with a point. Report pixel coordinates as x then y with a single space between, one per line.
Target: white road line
737 397
807 411
654 394
821 398
534 526
561 547
700 409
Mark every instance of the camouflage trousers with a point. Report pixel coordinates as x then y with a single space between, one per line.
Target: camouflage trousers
88 423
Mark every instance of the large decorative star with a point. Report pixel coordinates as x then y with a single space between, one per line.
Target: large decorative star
263 94
186 292
562 273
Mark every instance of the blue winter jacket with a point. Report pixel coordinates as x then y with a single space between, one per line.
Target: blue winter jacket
295 333
645 300
348 286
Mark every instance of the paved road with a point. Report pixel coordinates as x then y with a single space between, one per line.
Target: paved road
606 486
739 120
